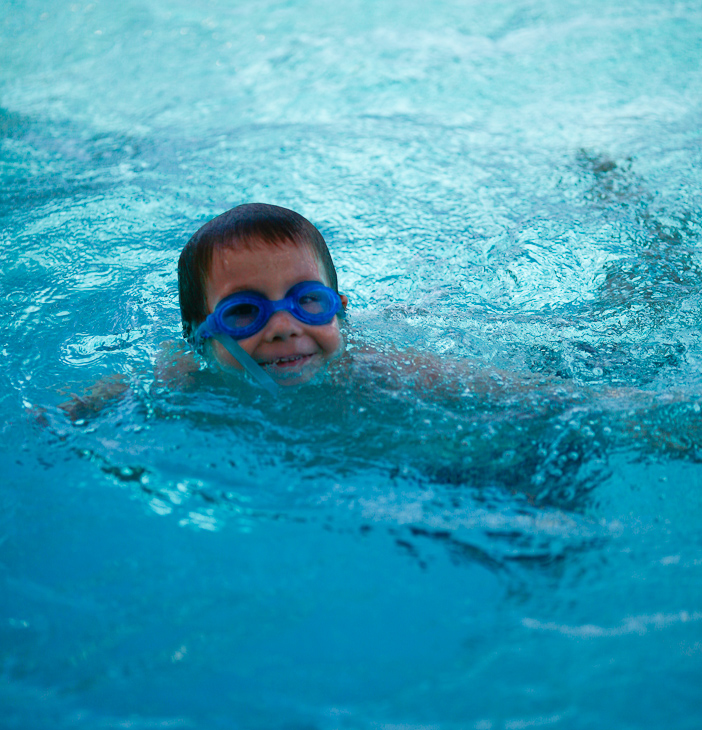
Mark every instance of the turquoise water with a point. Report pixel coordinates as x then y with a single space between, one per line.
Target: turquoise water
513 184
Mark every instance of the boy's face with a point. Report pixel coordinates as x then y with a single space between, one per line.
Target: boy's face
290 351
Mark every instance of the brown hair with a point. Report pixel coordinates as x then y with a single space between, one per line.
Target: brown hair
245 226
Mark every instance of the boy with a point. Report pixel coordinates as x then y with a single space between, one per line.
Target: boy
258 292
239 280
258 288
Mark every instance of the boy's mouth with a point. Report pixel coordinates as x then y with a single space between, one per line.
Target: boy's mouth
286 362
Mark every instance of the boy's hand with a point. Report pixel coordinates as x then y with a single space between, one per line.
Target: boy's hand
106 391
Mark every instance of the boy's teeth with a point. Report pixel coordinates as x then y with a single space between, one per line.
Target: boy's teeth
282 360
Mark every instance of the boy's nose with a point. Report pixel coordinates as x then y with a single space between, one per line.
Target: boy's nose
281 326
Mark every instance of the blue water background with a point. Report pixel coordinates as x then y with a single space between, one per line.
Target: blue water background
514 182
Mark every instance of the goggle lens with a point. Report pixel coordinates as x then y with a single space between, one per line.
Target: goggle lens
316 302
240 316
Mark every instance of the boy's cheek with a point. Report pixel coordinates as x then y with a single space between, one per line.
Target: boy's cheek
335 343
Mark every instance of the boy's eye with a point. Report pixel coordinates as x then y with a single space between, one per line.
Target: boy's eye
314 302
240 315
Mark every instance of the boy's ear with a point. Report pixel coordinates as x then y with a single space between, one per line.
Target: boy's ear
344 300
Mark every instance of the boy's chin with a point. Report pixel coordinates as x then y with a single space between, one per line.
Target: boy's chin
297 373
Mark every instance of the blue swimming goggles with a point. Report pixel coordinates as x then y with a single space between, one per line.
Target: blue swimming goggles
243 314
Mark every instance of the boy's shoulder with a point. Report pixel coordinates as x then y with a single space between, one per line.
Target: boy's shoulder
175 362
428 373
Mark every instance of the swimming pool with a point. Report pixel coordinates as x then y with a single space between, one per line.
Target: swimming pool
515 182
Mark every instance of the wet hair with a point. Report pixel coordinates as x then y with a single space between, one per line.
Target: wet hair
247 226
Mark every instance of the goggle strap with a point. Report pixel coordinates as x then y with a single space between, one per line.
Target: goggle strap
247 362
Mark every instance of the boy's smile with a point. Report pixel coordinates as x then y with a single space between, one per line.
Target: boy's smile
289 350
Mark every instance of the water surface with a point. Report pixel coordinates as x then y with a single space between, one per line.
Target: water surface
513 186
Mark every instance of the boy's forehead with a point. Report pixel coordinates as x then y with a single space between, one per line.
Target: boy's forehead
262 260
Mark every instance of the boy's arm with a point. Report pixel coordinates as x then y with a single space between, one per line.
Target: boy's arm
101 394
667 422
448 377
173 365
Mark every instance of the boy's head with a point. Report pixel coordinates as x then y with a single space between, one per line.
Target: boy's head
267 250
250 226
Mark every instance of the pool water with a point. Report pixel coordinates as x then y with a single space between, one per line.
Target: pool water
513 185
